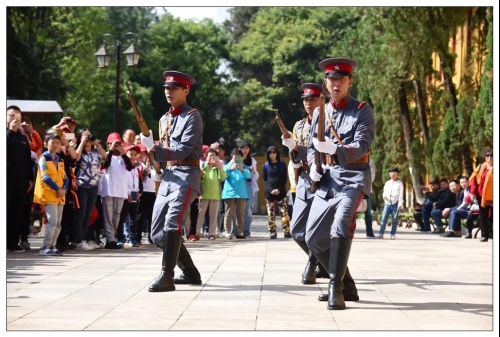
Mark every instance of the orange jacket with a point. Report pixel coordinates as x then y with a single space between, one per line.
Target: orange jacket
475 181
36 143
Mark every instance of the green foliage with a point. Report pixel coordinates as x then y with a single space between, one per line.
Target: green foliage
481 126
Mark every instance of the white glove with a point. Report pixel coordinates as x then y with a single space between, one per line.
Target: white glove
148 141
315 176
297 165
156 177
326 147
288 142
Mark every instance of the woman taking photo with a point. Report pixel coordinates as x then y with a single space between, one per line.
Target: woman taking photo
87 171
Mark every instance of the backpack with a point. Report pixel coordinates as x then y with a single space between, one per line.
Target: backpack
281 167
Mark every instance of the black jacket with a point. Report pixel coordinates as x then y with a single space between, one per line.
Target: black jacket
448 199
19 162
275 176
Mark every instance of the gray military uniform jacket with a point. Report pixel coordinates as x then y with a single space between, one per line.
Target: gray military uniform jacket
301 133
185 132
355 126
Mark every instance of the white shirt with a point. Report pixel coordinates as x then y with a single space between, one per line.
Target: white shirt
393 192
114 179
255 176
148 185
133 180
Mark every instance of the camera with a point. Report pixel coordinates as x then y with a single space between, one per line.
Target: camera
92 138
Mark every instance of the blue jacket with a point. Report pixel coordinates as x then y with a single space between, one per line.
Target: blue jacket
235 185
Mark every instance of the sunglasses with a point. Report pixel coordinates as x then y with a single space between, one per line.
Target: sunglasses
489 155
272 151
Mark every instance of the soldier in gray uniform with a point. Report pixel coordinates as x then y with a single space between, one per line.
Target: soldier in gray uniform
179 152
303 196
345 179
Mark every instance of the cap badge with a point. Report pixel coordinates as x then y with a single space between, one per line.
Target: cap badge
337 67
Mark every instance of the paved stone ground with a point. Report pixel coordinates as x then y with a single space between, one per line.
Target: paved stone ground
417 282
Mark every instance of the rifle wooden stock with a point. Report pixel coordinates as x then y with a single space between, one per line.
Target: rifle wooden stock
319 157
145 131
283 129
286 135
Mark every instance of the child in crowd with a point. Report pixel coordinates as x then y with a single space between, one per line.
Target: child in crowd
147 199
50 190
134 190
113 189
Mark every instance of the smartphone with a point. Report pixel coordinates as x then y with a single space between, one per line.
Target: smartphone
239 161
70 135
133 196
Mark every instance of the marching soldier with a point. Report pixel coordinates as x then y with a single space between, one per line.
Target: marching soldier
345 179
179 152
303 194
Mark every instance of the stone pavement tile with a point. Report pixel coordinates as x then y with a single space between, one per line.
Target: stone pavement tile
382 314
50 323
298 325
189 324
125 323
219 315
20 311
321 314
145 313
447 324
373 324
437 316
76 312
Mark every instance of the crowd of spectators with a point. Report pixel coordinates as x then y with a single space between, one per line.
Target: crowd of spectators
80 190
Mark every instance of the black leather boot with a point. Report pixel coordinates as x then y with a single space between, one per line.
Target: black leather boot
165 282
190 274
322 272
340 248
309 275
350 291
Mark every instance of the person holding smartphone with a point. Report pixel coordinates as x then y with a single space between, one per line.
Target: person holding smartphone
235 193
212 173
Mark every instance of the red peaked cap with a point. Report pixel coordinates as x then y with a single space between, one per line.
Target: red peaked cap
176 79
133 147
336 67
311 90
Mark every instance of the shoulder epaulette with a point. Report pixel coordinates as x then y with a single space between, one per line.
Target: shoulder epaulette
191 111
361 105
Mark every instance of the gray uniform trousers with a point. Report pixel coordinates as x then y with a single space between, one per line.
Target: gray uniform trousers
301 208
298 223
333 216
169 212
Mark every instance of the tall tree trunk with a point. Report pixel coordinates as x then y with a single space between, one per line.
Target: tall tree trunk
468 162
409 136
421 110
450 88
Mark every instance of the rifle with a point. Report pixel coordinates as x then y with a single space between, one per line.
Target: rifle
286 135
319 157
145 131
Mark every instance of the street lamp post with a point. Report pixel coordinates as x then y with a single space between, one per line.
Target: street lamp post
218 114
103 56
